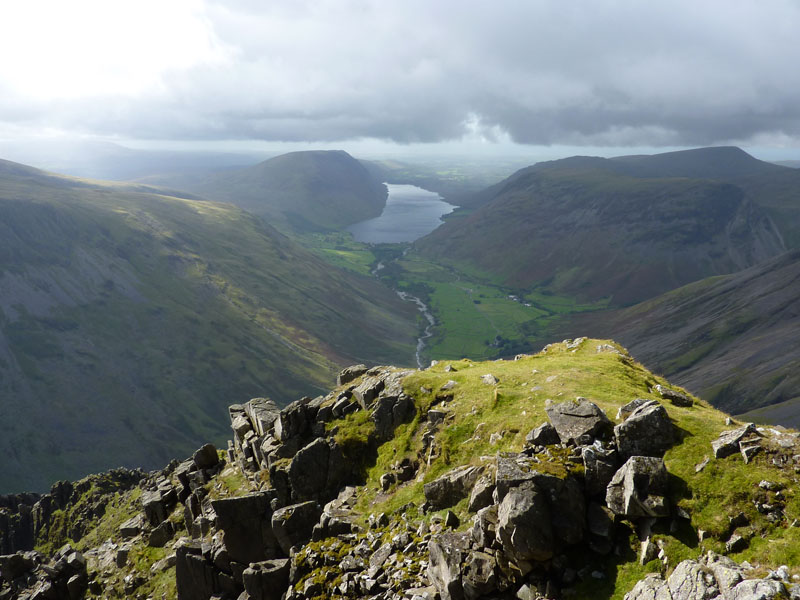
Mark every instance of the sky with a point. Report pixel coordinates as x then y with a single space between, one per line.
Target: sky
383 76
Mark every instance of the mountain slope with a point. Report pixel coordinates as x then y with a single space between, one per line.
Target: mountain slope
302 191
544 479
732 340
584 226
129 318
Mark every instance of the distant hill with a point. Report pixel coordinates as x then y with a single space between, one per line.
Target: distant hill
733 340
614 228
301 191
130 318
792 164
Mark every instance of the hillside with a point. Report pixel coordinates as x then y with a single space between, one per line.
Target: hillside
589 228
301 191
130 317
732 340
463 481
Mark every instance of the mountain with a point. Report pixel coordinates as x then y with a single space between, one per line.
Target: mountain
130 316
571 473
733 340
302 191
623 230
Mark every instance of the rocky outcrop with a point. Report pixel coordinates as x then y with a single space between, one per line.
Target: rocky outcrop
647 431
578 420
639 488
451 487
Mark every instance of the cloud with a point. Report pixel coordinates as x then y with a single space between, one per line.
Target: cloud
610 72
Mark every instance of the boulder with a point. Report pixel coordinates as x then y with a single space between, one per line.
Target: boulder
478 578
206 457
446 553
350 373
293 421
308 473
155 509
639 488
728 441
544 435
484 527
578 418
451 487
646 432
391 411
367 391
161 534
652 587
481 495
512 470
600 464
266 580
690 581
625 410
524 524
489 379
757 589
292 525
674 396
262 413
195 578
246 524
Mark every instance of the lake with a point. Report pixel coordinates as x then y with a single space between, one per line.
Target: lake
410 213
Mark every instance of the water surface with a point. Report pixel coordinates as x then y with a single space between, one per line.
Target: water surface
410 213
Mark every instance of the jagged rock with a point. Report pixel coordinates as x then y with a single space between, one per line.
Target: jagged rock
350 373
674 396
726 572
600 464
206 457
240 425
481 495
544 435
512 470
195 578
246 523
155 508
728 441
451 487
391 411
652 587
578 418
446 553
161 534
318 471
16 565
757 589
478 578
293 421
484 527
266 580
524 524
646 432
292 525
625 410
689 581
132 527
262 413
367 391
638 488
489 379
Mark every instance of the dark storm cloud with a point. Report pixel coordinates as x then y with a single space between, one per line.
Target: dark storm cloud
581 73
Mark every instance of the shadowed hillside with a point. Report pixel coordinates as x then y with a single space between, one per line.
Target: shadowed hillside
129 318
302 191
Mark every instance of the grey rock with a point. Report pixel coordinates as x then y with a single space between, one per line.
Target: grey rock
600 521
578 418
451 487
652 587
262 413
292 421
446 553
350 373
246 524
600 464
544 435
206 457
478 578
728 441
391 411
292 525
639 488
161 534
266 580
524 527
736 543
367 391
625 410
317 471
646 432
489 379
481 495
484 528
689 581
757 589
132 527
726 572
677 398
194 577
155 508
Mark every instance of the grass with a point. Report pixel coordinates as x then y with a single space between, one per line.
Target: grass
516 405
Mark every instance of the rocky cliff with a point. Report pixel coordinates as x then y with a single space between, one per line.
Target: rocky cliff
574 472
